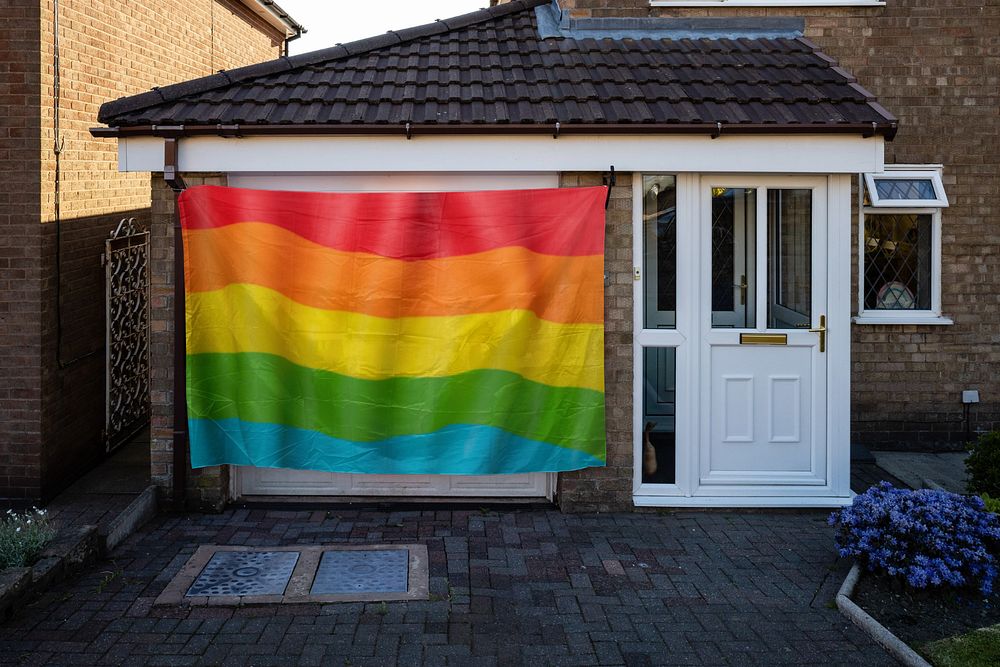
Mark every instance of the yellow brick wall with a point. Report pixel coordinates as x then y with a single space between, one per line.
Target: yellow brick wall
52 397
111 49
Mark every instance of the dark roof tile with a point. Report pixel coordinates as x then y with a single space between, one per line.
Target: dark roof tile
491 67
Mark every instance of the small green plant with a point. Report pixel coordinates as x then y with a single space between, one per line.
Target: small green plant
23 535
983 465
992 504
109 577
383 609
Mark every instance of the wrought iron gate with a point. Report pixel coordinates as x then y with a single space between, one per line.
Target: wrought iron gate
126 273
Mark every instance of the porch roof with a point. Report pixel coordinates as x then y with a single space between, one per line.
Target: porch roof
502 70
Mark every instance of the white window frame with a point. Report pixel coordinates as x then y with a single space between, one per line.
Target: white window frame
901 173
767 3
905 207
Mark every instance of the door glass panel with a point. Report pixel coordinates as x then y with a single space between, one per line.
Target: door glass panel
659 399
789 259
734 218
659 224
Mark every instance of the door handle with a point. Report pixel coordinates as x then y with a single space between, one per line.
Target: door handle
821 330
743 289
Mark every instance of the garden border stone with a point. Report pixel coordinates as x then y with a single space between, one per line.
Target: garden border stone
70 549
138 512
896 647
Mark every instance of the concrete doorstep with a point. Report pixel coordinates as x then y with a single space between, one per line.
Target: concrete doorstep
138 512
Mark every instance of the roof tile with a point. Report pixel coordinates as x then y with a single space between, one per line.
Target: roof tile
491 67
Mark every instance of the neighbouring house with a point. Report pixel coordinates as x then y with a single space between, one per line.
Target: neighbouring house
800 243
59 60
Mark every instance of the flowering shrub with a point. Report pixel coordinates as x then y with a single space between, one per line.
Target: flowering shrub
930 539
22 537
983 465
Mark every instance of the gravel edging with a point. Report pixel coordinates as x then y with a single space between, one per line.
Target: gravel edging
878 632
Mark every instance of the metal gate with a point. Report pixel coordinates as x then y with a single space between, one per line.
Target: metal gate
126 274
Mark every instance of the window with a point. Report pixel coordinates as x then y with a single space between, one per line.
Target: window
900 247
658 453
902 188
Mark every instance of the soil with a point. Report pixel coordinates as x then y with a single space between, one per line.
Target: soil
921 617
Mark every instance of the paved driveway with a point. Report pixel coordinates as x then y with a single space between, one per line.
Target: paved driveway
529 587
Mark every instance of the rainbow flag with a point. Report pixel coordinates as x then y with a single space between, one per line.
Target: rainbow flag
399 333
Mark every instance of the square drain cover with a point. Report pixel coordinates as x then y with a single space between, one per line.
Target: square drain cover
239 575
245 573
372 571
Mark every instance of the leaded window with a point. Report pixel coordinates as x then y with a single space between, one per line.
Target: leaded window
897 250
900 247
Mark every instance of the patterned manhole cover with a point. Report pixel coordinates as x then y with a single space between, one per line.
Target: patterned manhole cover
245 573
373 571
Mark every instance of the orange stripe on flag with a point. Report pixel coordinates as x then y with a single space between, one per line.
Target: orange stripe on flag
556 288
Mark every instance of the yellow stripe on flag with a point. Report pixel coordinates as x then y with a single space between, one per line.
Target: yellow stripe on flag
250 318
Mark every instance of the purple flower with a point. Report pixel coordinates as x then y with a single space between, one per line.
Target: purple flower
929 538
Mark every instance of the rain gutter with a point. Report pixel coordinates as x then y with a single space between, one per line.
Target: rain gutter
556 130
180 433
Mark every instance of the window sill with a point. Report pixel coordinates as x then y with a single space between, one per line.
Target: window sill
767 3
930 320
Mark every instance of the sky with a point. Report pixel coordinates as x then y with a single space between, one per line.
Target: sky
332 21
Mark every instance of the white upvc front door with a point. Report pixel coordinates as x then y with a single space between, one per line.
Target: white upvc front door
763 371
753 355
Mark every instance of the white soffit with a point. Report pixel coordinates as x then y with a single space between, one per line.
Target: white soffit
799 154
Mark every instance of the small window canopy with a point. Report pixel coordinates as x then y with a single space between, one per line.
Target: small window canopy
906 188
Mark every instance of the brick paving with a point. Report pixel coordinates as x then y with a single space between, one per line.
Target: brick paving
511 587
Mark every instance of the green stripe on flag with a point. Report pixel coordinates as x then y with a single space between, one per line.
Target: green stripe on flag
266 388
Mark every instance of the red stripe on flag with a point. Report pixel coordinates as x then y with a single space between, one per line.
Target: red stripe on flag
414 225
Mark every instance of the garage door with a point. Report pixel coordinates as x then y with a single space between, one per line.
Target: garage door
249 482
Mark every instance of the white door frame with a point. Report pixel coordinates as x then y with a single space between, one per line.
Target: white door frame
690 394
764 483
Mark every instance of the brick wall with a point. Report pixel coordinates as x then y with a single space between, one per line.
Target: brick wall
935 65
207 488
610 488
52 413
20 273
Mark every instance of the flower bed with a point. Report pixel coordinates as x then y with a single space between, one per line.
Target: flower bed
23 536
930 561
33 555
928 539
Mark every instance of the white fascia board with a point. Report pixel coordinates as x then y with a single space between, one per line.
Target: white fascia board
265 13
784 154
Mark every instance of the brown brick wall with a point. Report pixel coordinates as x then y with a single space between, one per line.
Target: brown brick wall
935 65
20 273
610 488
207 487
52 417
